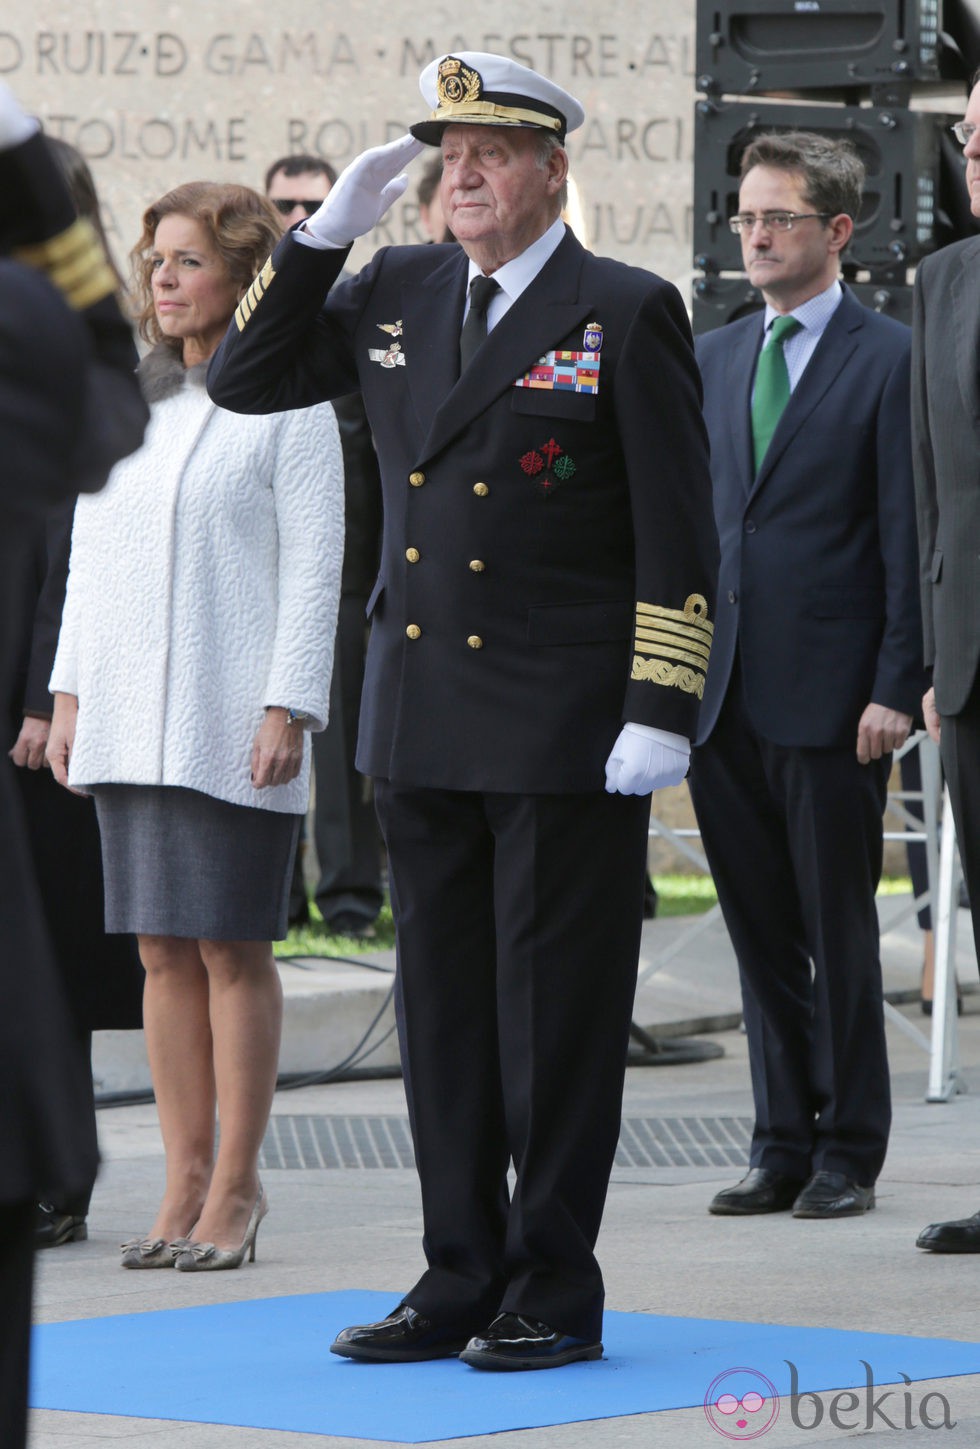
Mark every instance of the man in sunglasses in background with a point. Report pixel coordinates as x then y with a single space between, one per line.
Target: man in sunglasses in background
297 185
348 892
815 673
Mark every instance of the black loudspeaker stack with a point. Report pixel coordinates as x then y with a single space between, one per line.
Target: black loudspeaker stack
847 68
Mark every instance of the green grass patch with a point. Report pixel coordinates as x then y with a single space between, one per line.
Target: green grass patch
316 940
677 895
692 895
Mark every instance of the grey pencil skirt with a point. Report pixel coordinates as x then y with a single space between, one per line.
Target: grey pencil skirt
179 863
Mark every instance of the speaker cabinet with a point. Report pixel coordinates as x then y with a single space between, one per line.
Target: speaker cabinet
901 218
751 47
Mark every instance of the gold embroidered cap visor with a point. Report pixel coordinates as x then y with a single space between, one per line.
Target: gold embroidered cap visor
475 88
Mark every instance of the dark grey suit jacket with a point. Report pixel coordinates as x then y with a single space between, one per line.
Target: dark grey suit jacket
946 444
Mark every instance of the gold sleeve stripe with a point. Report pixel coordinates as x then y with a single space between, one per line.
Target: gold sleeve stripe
694 614
667 628
75 262
254 295
698 658
658 671
673 634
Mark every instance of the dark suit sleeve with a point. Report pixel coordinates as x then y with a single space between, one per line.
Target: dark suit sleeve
48 610
658 411
899 674
923 466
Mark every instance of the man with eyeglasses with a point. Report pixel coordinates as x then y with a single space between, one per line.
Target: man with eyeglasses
348 892
814 676
946 443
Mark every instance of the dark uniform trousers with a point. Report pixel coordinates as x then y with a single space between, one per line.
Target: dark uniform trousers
510 946
794 841
547 572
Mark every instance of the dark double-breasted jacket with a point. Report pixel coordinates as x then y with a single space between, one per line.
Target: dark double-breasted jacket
549 554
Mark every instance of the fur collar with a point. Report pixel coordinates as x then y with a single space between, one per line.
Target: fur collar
162 374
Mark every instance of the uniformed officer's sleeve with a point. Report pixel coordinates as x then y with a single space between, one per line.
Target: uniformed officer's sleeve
664 440
288 345
40 229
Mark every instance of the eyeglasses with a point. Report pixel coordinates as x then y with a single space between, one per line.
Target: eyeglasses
963 130
773 220
285 204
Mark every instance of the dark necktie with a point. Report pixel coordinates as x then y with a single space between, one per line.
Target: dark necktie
474 331
771 392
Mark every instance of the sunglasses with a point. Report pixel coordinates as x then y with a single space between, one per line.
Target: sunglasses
285 204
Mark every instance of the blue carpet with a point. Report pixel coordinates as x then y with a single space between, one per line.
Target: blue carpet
265 1364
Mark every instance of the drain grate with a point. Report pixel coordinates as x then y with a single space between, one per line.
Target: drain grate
317 1142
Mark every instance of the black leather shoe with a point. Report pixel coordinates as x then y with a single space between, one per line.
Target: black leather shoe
832 1195
961 1236
52 1227
515 1342
403 1337
760 1191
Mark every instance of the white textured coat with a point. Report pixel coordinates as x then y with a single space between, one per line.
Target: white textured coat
203 587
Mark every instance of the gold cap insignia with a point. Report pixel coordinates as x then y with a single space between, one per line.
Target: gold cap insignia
457 82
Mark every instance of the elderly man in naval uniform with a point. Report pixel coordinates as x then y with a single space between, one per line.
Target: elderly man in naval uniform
540 630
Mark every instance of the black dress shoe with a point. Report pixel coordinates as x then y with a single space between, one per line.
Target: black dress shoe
832 1195
403 1337
760 1191
961 1236
52 1227
349 923
515 1342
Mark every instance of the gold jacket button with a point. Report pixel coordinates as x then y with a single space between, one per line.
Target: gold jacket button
481 490
413 631
413 555
475 642
416 479
477 565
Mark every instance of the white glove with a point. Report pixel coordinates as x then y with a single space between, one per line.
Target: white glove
363 192
15 126
645 759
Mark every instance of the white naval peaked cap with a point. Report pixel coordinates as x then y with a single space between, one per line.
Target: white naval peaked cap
477 88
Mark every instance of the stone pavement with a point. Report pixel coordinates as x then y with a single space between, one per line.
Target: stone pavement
358 1226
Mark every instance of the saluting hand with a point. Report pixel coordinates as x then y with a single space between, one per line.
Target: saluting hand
363 192
277 751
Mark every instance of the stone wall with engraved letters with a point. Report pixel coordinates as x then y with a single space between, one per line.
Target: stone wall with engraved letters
164 91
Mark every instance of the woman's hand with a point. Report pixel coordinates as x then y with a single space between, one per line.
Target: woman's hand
277 752
61 738
30 744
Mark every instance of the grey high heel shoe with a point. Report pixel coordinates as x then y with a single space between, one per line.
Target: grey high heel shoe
150 1252
207 1257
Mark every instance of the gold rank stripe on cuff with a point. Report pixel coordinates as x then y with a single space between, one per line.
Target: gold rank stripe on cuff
254 295
667 635
75 262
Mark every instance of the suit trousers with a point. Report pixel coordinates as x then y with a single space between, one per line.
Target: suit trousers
16 1284
518 924
960 750
793 837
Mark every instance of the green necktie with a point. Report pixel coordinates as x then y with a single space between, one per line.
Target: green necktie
771 386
